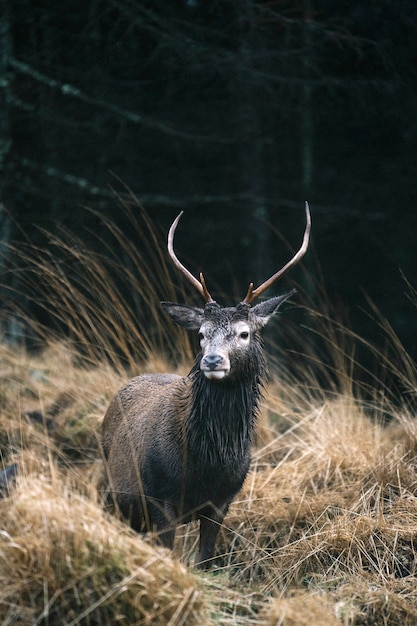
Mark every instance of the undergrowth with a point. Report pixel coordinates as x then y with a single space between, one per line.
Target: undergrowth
323 532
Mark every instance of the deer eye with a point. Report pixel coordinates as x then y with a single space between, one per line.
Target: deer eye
200 335
244 334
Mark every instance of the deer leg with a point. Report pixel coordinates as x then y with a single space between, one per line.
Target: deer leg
162 521
132 511
210 524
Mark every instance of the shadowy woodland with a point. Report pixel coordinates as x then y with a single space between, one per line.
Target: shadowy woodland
236 112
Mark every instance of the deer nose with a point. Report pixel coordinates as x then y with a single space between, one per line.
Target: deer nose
212 361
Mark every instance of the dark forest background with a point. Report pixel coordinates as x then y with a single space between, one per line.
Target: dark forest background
234 111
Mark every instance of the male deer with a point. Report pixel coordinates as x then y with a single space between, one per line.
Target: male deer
178 448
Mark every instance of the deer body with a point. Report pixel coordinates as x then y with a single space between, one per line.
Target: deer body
178 448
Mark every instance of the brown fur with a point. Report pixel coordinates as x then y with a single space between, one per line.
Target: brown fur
178 448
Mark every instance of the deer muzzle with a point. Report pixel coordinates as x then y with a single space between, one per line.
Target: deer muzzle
215 366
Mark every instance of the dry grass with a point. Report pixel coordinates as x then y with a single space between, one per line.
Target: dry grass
301 609
325 525
323 532
63 562
62 559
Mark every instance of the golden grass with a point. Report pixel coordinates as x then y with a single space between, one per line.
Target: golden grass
324 530
302 609
325 525
64 562
62 559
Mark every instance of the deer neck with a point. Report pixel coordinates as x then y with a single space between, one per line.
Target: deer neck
222 415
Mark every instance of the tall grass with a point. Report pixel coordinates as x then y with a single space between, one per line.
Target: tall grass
104 298
324 530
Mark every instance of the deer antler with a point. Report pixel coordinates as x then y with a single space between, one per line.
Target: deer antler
200 285
254 293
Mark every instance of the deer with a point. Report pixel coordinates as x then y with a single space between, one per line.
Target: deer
178 448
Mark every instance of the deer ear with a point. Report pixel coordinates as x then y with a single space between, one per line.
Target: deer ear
265 310
188 317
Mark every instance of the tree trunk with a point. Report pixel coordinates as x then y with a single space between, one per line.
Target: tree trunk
5 137
10 327
251 156
307 113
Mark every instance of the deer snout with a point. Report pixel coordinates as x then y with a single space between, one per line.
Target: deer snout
215 365
212 361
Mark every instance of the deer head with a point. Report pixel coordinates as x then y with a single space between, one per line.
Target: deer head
227 333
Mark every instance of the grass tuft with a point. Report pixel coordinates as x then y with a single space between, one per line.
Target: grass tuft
63 561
